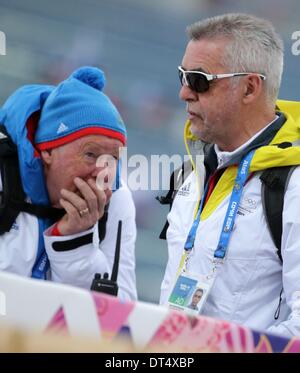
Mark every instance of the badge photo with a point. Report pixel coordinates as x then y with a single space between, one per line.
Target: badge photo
189 294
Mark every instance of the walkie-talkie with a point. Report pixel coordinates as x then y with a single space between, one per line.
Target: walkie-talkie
106 285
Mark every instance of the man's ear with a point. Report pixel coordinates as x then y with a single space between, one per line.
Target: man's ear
253 88
46 156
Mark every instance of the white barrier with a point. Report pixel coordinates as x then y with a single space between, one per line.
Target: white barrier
41 306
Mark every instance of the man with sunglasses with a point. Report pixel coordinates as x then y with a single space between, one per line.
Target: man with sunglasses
218 233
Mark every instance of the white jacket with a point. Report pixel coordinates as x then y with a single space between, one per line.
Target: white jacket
248 284
18 249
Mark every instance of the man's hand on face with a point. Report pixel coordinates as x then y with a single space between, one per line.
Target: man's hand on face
83 209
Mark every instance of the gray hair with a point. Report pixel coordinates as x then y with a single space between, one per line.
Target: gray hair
254 46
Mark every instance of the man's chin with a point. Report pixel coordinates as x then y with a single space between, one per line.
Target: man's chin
197 132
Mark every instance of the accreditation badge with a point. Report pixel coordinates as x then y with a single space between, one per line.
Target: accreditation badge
190 293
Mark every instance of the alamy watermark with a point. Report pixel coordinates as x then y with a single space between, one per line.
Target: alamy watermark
296 45
2 303
142 173
2 44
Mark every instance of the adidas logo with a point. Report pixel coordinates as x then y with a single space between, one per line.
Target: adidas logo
184 190
62 128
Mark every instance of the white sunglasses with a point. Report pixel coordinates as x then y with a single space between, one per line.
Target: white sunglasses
198 81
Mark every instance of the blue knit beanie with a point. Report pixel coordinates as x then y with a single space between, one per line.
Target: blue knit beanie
77 107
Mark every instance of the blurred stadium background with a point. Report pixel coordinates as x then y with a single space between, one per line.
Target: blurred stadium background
139 45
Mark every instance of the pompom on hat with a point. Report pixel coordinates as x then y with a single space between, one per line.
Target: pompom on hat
77 107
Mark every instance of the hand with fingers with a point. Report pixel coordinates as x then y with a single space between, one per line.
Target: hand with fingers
84 209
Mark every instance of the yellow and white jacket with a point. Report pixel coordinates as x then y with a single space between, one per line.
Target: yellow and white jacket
249 282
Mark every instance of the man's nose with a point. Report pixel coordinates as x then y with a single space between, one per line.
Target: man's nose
96 170
187 94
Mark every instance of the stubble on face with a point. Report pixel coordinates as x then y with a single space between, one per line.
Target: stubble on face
214 127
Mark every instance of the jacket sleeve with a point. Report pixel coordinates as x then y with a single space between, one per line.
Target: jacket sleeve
77 264
291 258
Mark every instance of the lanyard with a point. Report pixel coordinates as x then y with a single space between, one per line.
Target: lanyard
41 264
232 209
233 206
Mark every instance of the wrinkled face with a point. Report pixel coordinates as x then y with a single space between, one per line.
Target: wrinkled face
85 157
196 297
213 114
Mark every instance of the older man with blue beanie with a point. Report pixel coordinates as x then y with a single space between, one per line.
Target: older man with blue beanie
59 151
